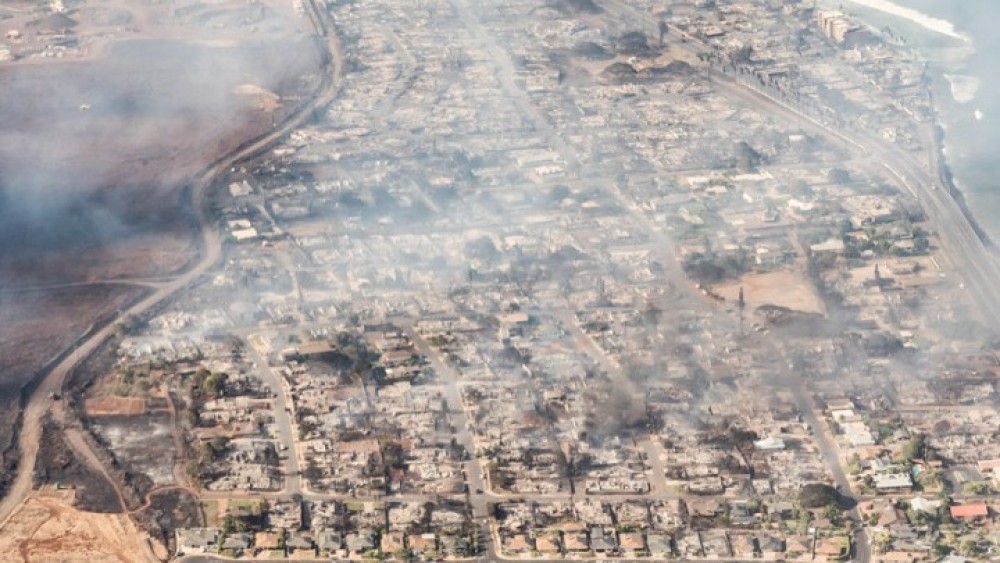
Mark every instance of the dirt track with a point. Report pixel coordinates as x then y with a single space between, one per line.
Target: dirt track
49 529
39 403
33 328
103 194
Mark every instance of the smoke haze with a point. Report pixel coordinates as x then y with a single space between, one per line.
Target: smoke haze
105 147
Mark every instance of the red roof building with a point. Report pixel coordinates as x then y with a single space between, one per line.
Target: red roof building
970 511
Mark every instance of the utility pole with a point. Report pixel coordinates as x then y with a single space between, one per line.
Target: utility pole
741 304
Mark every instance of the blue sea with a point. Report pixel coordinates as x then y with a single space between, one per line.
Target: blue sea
960 41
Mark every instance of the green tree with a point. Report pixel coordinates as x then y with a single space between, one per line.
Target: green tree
854 465
976 488
882 542
940 549
306 427
832 513
930 479
970 548
916 448
206 455
282 539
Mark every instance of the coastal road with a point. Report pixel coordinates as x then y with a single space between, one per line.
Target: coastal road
972 260
970 257
965 249
39 403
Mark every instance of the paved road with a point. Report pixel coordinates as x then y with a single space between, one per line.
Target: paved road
282 408
964 249
831 454
211 249
474 476
976 263
658 477
39 403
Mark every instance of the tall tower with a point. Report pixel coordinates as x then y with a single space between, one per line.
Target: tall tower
741 304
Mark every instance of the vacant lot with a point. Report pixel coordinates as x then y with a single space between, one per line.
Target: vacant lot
141 443
114 406
97 158
783 288
58 464
49 529
169 510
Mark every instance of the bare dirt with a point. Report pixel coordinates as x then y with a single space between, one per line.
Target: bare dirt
108 406
783 288
104 195
48 528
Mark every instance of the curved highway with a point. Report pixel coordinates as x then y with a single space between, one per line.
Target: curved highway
967 252
39 403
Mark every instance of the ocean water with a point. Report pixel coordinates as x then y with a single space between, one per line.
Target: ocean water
960 41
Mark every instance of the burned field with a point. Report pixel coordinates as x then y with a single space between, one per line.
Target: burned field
34 327
95 170
96 163
58 465
130 417
168 510
143 444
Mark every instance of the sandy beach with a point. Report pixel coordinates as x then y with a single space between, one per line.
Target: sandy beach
937 25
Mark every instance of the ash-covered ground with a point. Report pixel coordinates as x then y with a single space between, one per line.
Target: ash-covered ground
105 119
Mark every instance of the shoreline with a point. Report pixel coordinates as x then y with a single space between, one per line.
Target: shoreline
941 167
947 179
926 21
